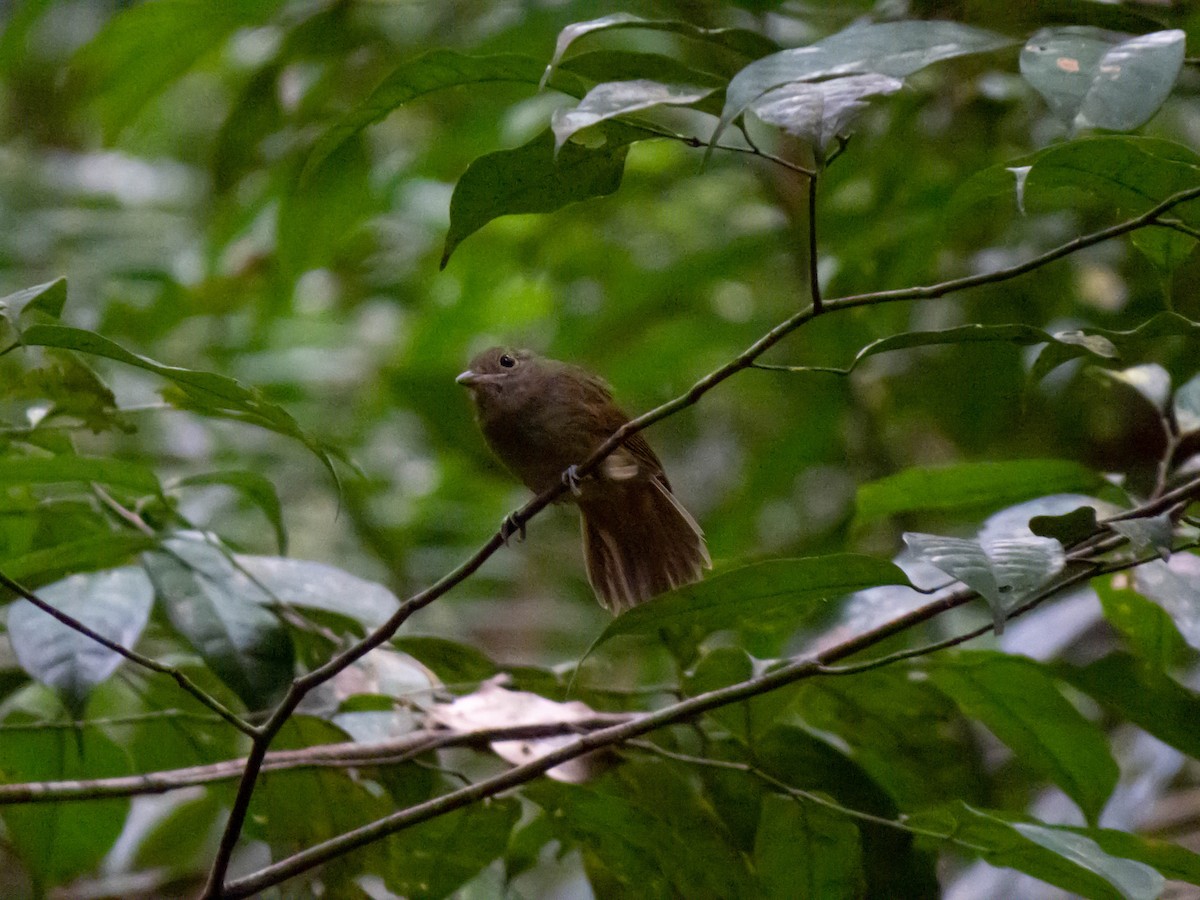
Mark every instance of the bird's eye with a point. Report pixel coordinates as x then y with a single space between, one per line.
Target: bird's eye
507 361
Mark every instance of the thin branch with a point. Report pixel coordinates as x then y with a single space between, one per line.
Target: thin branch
344 755
132 655
519 518
797 793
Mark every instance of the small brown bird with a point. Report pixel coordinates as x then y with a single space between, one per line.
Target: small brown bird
541 417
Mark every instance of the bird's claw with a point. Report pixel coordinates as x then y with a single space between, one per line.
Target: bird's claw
571 479
511 525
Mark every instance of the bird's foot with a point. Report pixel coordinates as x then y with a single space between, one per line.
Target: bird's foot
571 479
511 525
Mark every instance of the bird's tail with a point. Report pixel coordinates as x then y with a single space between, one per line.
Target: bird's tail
639 541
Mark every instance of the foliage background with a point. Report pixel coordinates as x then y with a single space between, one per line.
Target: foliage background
152 154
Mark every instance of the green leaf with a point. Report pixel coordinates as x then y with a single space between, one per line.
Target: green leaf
750 44
778 595
114 604
48 298
747 720
220 611
204 392
627 65
971 487
67 469
46 564
429 72
821 113
1068 529
1158 326
903 732
437 857
1147 628
308 585
321 213
650 830
1175 586
1093 79
1151 381
256 488
60 841
806 850
1143 695
1065 857
1186 406
895 49
454 663
1019 702
145 48
619 98
532 179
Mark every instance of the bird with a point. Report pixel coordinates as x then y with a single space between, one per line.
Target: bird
541 418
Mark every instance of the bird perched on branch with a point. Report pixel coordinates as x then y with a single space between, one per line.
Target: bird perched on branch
541 418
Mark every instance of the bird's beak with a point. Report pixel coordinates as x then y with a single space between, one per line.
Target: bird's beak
467 379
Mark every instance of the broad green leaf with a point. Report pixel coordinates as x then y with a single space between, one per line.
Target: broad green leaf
436 858
48 298
875 747
619 98
627 65
1150 632
204 392
963 559
1019 702
1150 380
1169 858
256 488
429 72
46 564
806 850
221 612
532 179
1065 857
114 604
1186 406
1005 571
1093 79
902 731
822 112
747 720
60 841
1175 586
297 808
971 487
455 664
1068 529
316 217
649 827
779 594
146 47
316 586
747 43
895 49
1158 326
83 469
1143 695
